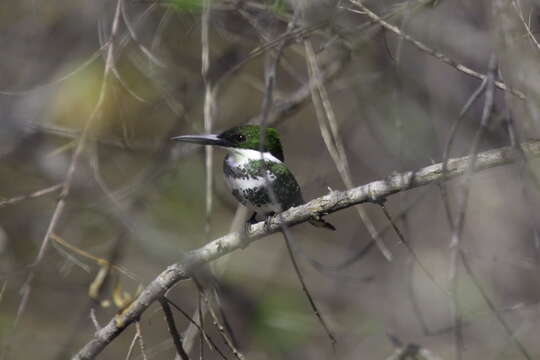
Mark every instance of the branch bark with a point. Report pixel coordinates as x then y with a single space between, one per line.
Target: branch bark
337 200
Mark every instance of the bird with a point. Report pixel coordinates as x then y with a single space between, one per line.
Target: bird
253 165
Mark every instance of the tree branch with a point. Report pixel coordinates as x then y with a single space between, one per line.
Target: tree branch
436 54
332 202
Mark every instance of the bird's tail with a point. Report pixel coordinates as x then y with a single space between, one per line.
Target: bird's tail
320 222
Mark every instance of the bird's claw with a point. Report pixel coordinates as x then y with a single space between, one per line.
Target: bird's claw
378 200
268 223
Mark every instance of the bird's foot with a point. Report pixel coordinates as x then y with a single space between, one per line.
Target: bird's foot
247 226
377 201
268 221
318 221
253 220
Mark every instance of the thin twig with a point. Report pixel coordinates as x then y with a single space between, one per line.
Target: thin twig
492 306
208 115
417 310
96 55
66 185
360 253
131 29
459 223
177 339
94 319
448 147
132 346
525 173
201 316
221 329
436 54
324 111
140 338
193 328
287 36
306 291
270 79
517 7
207 338
209 104
411 250
33 195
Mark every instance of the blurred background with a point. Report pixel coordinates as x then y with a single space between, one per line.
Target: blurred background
92 91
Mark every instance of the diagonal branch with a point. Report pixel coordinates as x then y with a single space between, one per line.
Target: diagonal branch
33 195
332 202
329 131
436 54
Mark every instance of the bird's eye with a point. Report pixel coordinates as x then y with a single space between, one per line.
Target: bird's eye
240 138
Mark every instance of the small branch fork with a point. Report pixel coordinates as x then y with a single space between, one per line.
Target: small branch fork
333 202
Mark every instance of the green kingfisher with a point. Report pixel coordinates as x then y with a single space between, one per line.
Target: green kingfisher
250 168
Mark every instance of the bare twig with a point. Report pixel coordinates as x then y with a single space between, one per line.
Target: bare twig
324 110
33 195
99 261
410 249
201 316
329 203
525 174
131 29
221 329
448 147
458 225
209 104
94 319
177 339
306 291
62 78
519 11
360 253
193 328
208 115
207 338
140 338
66 185
276 42
132 346
492 307
270 79
436 54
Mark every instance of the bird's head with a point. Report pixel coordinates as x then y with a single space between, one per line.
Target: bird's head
241 137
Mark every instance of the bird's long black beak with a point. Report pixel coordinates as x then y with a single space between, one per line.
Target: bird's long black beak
202 139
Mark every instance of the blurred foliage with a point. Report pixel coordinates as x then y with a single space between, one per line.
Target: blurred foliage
187 5
76 98
281 323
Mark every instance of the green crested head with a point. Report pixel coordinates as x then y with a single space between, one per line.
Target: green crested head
241 137
249 137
